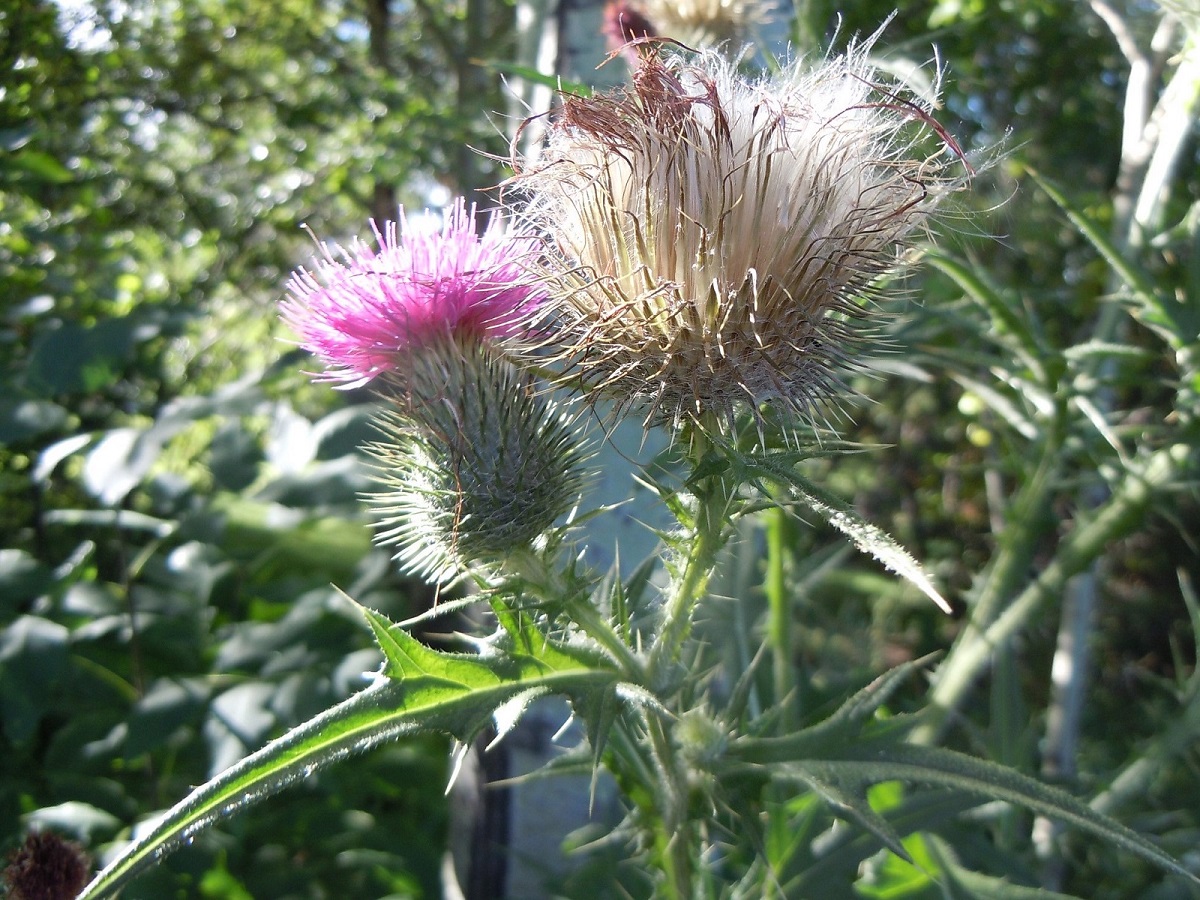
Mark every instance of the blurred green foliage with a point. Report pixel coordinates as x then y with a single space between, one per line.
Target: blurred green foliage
176 500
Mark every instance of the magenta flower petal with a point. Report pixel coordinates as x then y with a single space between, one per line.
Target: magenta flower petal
364 309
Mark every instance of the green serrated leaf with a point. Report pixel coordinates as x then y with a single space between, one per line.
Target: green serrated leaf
862 763
492 680
856 711
849 799
598 713
381 712
713 464
422 690
509 713
847 753
961 883
845 725
634 589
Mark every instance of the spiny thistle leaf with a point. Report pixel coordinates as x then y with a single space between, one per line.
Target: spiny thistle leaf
842 756
870 539
420 690
960 883
541 659
1176 323
844 726
848 798
1008 319
866 537
843 774
859 709
386 710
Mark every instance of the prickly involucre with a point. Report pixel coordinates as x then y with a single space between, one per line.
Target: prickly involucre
489 466
476 460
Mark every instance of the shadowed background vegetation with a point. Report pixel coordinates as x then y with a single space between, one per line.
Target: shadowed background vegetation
177 500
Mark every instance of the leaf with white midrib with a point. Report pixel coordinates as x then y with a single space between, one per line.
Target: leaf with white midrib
865 536
857 765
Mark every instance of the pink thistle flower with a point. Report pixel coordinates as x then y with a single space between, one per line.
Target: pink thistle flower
364 310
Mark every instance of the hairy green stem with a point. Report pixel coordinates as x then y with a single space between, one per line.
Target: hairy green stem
707 523
779 615
1117 518
709 531
675 833
552 585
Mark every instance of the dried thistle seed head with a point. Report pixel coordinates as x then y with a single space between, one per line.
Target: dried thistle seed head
363 310
624 24
45 867
706 23
481 465
712 236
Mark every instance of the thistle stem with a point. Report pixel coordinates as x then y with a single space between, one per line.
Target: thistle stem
674 838
706 533
779 614
709 531
551 585
1114 520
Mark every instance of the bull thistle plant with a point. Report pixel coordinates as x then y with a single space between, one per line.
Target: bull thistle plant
703 252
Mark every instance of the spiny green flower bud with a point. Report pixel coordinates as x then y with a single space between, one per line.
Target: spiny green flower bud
479 465
700 738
